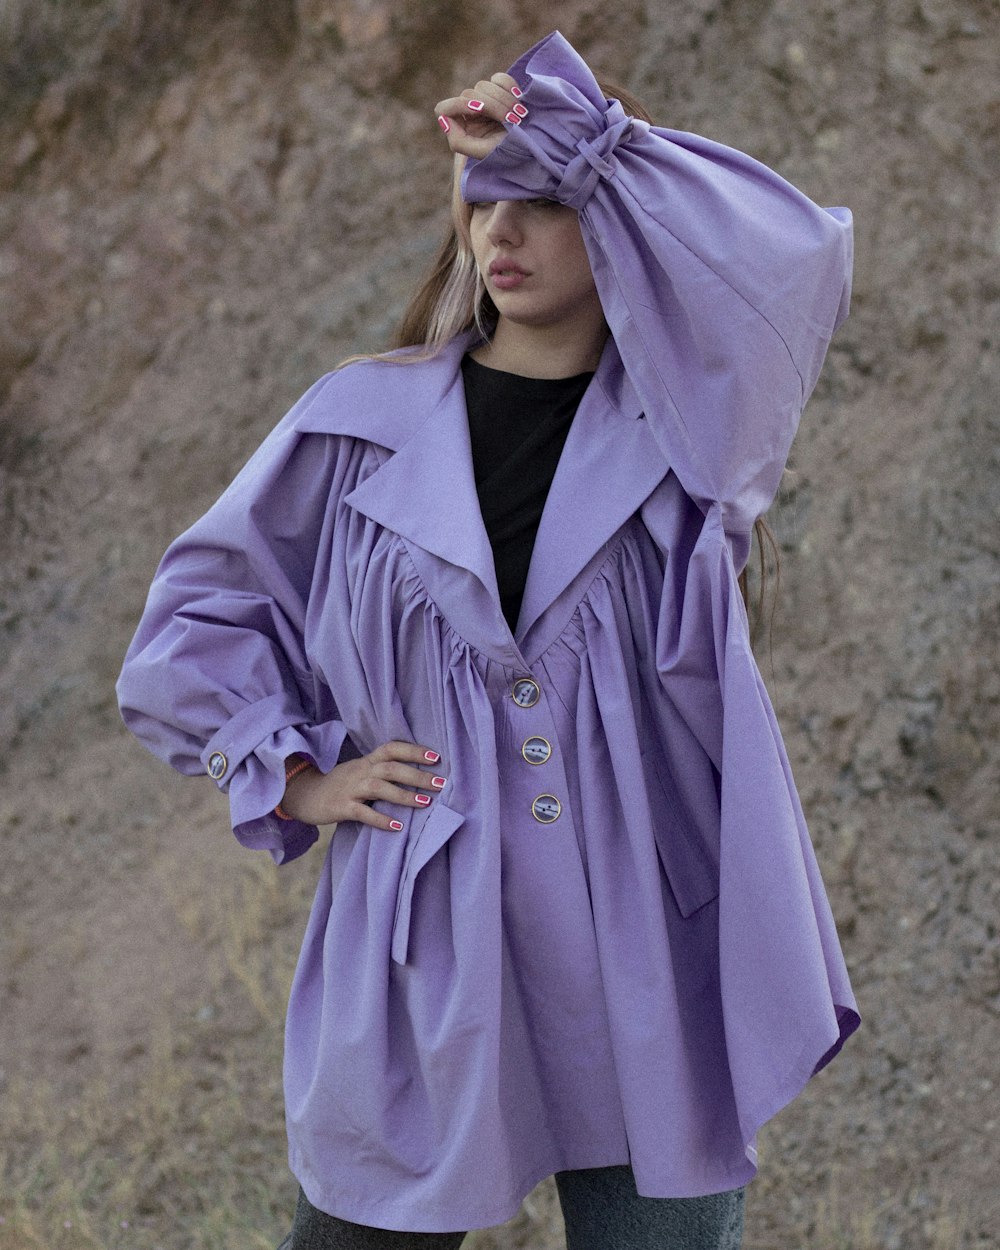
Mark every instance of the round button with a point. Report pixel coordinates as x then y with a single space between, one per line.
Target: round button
536 750
217 765
525 692
546 808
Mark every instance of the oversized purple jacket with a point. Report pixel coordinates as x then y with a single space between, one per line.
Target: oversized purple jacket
619 953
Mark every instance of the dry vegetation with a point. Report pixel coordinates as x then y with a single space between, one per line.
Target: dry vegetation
187 1157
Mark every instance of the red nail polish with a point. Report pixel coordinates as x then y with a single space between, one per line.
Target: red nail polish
477 106
513 119
432 757
444 123
437 781
422 799
520 110
396 824
516 91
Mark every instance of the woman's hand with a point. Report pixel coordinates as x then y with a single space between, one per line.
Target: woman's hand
474 120
345 791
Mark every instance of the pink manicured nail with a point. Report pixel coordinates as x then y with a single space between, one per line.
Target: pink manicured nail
396 824
422 799
516 91
444 123
432 757
520 110
438 782
513 119
477 106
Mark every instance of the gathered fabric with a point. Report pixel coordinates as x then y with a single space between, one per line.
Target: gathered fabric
606 941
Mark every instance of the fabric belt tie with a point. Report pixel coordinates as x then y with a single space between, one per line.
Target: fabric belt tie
595 158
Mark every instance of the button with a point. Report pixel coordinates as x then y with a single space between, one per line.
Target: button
525 692
217 765
546 808
536 750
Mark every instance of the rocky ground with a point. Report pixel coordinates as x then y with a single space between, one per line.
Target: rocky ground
205 206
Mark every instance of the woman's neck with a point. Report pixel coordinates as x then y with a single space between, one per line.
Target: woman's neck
542 351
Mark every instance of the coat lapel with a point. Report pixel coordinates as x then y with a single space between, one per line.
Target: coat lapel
609 465
425 490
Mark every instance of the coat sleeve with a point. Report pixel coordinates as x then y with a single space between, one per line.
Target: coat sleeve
217 679
721 283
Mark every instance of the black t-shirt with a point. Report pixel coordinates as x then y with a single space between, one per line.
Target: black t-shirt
517 428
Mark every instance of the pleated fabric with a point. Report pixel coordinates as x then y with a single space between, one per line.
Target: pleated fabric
494 995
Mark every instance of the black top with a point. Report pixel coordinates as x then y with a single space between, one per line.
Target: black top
517 427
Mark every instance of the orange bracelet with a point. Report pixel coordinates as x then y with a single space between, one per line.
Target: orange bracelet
294 771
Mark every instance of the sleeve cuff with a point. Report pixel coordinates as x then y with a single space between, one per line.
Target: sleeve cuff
258 784
243 733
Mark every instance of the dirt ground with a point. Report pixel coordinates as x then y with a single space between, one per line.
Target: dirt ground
204 207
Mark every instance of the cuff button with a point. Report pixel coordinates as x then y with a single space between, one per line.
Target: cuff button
217 765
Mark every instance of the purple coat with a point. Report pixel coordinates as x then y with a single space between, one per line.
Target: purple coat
641 967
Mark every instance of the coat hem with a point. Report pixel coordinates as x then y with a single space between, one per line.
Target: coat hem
397 1216
430 1218
799 1074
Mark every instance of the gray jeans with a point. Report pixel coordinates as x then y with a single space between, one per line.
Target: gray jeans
601 1208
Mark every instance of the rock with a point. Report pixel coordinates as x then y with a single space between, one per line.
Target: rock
355 22
147 149
909 60
52 111
175 104
25 150
947 135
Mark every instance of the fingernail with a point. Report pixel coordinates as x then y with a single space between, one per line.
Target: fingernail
396 824
444 123
520 110
431 757
422 799
513 119
516 91
437 781
477 106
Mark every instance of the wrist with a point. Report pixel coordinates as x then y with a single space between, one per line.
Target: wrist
295 767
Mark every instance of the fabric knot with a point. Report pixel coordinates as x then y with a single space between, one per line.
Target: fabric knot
595 158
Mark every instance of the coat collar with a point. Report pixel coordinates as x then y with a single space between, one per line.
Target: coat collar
426 492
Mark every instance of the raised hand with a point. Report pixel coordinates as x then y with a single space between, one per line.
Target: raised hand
476 120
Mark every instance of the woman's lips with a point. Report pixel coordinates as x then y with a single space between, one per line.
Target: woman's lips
508 279
506 275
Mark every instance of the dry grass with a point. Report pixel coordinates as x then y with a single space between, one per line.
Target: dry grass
849 1210
192 1154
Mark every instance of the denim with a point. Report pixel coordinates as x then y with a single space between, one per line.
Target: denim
603 1211
315 1230
601 1207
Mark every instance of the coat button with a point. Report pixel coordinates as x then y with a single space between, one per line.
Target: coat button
217 765
546 808
536 750
525 692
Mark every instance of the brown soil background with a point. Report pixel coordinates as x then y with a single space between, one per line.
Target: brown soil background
204 207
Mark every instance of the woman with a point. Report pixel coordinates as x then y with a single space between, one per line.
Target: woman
570 921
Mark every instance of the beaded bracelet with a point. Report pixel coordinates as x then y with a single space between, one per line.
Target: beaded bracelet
294 771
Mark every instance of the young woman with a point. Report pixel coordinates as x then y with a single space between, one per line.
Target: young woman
477 603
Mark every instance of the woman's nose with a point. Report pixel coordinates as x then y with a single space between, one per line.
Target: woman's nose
505 223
